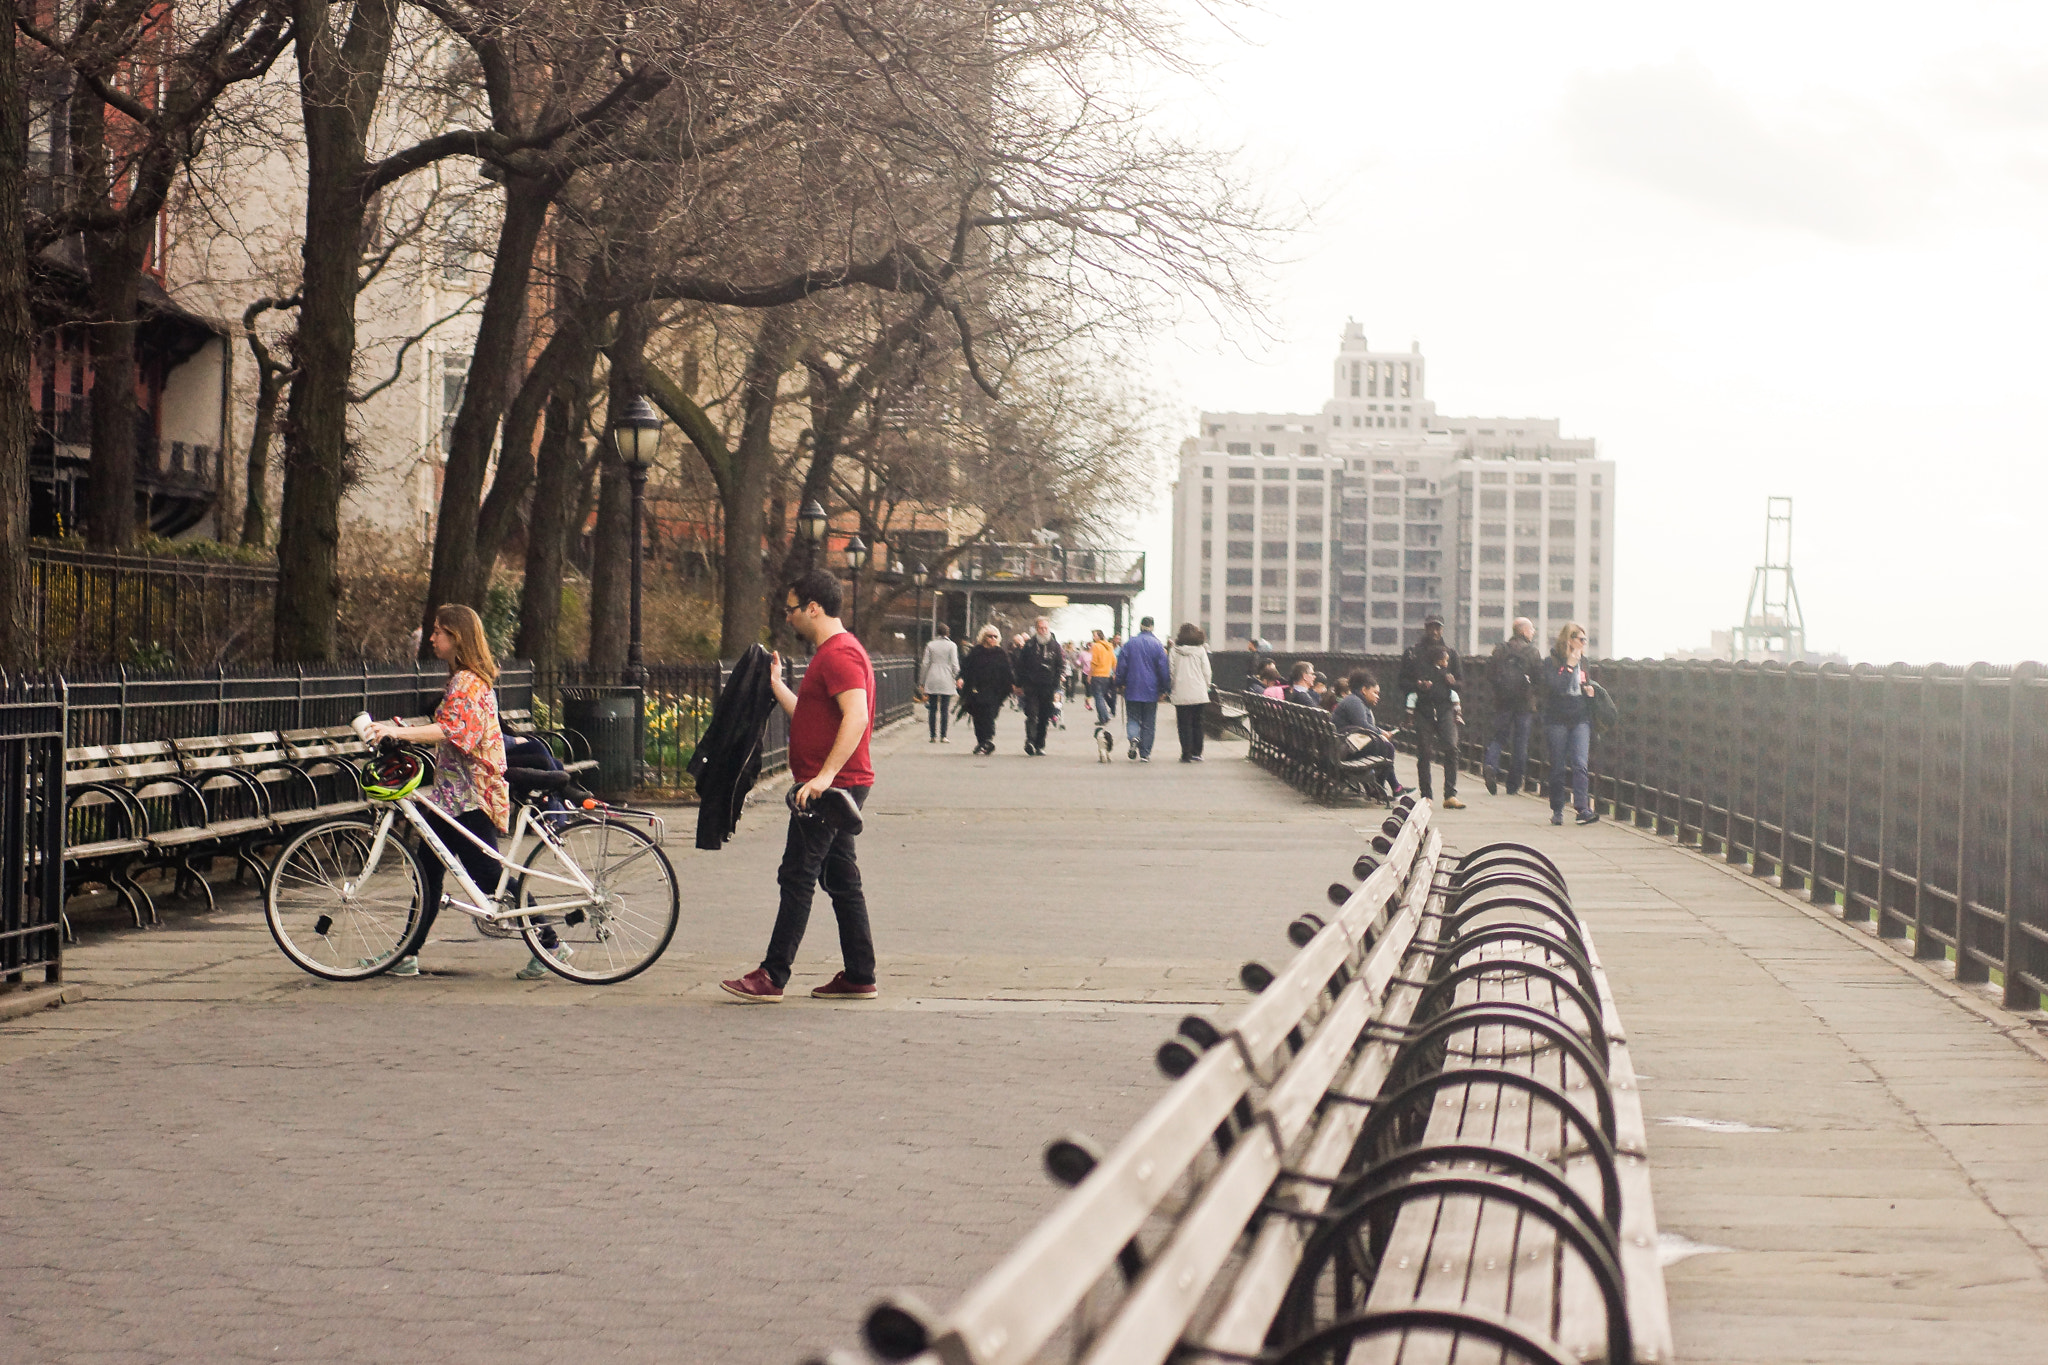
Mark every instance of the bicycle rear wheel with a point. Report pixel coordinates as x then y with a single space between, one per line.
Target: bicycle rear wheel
637 906
334 915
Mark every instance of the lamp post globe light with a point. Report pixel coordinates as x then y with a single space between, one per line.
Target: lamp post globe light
636 435
811 522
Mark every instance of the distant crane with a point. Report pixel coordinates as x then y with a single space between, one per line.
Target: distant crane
1773 627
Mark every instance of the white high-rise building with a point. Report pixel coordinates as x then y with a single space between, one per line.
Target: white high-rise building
1344 530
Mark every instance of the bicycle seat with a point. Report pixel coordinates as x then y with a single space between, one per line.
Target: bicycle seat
536 779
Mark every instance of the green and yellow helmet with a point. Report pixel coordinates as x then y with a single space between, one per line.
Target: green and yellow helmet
387 777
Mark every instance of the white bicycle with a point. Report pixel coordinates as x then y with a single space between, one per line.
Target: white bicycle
343 899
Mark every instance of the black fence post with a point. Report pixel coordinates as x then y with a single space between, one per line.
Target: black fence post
1968 968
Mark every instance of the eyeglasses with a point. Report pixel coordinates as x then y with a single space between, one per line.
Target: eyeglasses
791 608
1578 635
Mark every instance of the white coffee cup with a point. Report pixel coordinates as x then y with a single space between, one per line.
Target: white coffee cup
361 725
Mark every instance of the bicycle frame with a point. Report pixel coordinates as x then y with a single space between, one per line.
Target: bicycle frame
481 907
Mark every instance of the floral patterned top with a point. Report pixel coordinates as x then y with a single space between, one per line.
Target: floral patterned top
469 764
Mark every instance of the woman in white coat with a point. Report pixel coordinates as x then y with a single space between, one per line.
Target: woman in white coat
1188 662
938 673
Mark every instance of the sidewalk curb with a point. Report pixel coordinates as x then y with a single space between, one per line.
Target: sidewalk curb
34 1000
2017 1028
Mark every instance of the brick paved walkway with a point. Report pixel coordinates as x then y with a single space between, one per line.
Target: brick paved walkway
216 1157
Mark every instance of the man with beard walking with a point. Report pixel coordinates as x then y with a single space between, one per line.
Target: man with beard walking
1039 665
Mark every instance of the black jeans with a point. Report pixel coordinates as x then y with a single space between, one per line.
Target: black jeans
481 867
1037 715
1188 719
937 709
1438 733
814 855
984 727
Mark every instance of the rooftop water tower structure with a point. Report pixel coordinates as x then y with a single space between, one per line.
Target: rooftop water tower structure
1772 627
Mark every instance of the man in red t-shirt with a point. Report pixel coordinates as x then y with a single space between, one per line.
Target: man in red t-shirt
831 717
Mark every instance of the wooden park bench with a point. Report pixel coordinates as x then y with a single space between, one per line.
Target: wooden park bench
1303 747
1420 1142
570 749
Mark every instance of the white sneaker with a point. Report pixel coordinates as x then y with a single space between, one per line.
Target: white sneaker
535 969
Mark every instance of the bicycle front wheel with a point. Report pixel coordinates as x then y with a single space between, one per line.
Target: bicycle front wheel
335 915
635 911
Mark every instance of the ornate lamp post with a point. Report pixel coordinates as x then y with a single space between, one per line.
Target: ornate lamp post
919 576
856 558
810 524
636 435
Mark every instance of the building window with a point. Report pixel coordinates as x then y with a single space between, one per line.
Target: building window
1239 549
1238 605
1528 582
1386 635
1493 497
454 379
1274 549
1529 502
1310 473
1208 472
1386 610
1563 528
1241 497
1563 556
1354 379
1208 551
1560 612
1493 554
1593 529
1493 530
1238 448
1386 583
1272 602
1527 530
1308 578
1308 606
1387 507
1208 495
1530 608
1266 449
1492 584
1308 497
1493 476
1528 554
1205 604
1405 375
1237 578
1237 630
1240 521
1243 471
1386 559
1486 609
1272 578
1560 583
1309 549
1311 525
1372 380
1308 635
1273 523
1386 530
1524 477
1567 480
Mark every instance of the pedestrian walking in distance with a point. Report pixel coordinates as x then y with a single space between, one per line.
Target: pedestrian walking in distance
938 673
1143 676
1101 677
1429 685
1511 679
1188 664
1039 665
985 684
1568 724
831 717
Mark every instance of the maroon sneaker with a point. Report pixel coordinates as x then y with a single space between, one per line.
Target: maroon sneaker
755 988
839 988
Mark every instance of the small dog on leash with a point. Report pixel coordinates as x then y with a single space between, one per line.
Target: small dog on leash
1105 744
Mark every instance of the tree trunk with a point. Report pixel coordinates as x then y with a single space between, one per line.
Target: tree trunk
18 647
113 265
256 502
611 586
547 526
338 90
743 610
460 572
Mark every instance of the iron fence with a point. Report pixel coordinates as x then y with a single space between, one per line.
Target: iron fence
1916 798
678 699
119 706
31 831
92 608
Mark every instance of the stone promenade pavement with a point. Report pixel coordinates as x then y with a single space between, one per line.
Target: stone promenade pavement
215 1157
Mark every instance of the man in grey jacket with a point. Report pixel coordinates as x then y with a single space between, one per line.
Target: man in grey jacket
938 673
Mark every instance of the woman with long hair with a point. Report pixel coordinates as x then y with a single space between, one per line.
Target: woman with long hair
469 805
1568 724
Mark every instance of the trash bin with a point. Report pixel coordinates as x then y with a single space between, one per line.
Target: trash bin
609 720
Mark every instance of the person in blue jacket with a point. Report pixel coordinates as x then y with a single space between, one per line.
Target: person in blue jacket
1568 723
1143 676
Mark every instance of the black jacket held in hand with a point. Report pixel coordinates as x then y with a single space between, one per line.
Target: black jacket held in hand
728 758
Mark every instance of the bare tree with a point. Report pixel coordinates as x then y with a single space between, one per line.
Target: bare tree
17 645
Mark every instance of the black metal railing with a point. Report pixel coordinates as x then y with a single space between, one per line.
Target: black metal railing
1915 798
92 609
679 697
31 832
120 706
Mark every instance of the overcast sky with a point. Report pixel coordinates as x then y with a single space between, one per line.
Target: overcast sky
1754 249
